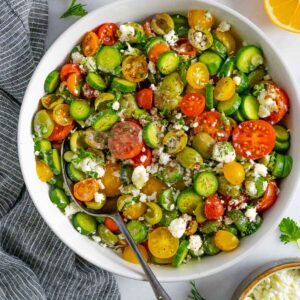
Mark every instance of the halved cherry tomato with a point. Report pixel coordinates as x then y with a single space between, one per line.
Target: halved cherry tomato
213 208
60 132
107 33
111 225
74 84
184 47
148 30
144 158
157 50
68 69
269 197
130 256
85 190
243 198
43 171
61 114
282 102
197 75
87 91
135 68
144 98
253 139
211 123
192 104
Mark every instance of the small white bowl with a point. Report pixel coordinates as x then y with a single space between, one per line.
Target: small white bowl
138 10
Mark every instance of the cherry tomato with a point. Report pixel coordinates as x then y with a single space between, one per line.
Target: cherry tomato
85 190
157 50
111 225
111 182
135 68
130 256
201 18
227 39
269 197
234 172
67 70
90 43
211 123
243 198
225 240
282 102
148 30
143 159
43 171
197 75
135 211
87 91
61 115
74 84
213 208
60 132
225 89
107 33
253 139
184 47
192 104
144 98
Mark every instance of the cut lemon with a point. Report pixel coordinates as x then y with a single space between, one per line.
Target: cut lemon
284 13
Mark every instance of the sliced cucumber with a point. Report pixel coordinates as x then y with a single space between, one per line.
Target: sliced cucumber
227 68
209 96
68 156
205 184
167 200
181 253
249 108
51 82
238 116
209 227
256 76
84 223
282 147
168 217
105 119
279 166
76 140
219 48
95 81
75 174
181 25
282 135
108 59
288 165
187 201
154 41
42 146
123 85
239 219
244 84
168 62
199 213
249 58
59 198
106 235
53 160
138 231
80 109
230 106
209 246
172 173
150 135
212 60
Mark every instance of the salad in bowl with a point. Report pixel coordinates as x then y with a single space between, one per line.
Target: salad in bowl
175 121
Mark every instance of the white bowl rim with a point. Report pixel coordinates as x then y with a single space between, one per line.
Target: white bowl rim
138 275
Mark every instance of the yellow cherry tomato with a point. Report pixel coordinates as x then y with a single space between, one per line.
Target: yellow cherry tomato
130 256
153 185
154 213
135 211
234 172
197 75
61 115
227 40
161 243
135 68
111 182
162 261
200 17
225 89
225 240
175 141
43 171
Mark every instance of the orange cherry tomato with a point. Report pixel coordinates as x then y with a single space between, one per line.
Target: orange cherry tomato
43 171
144 158
60 132
157 50
147 28
130 256
111 225
192 104
211 123
213 208
74 82
144 98
85 190
269 197
184 47
67 70
107 33
61 115
253 139
90 43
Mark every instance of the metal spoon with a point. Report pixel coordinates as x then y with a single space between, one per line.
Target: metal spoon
112 212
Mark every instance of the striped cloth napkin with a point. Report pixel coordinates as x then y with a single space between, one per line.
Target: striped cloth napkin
34 264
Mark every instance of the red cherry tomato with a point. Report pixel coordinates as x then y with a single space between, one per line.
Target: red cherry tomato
87 91
111 225
211 123
192 104
67 70
213 208
184 47
107 33
144 98
282 102
60 132
148 30
144 158
253 139
236 203
269 197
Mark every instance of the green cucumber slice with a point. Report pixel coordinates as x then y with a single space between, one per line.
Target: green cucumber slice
123 85
80 109
249 107
199 213
68 156
205 184
108 59
212 60
279 165
51 82
282 134
209 246
238 116
219 48
256 76
227 68
187 201
168 62
95 81
53 160
138 231
249 58
288 165
230 106
105 119
171 173
181 25
154 41
282 147
75 174
181 253
209 96
239 219
209 227
150 135
84 223
42 146
106 235
166 199
244 84
168 217
59 198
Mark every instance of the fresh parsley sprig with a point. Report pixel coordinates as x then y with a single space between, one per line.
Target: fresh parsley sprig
290 231
194 294
75 9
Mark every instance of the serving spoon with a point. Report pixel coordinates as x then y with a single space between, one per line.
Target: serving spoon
111 211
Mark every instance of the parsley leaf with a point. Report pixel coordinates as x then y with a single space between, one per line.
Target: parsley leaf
194 294
290 231
75 9
82 154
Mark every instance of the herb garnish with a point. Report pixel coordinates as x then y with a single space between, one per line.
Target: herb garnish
75 9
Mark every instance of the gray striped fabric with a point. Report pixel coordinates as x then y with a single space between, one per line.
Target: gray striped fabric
34 264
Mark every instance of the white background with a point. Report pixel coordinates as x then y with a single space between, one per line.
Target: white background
222 285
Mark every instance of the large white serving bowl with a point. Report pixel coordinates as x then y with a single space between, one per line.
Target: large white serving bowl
132 10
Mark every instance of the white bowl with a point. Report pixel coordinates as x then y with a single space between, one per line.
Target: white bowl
55 57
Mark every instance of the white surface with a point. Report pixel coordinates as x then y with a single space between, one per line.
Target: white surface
222 285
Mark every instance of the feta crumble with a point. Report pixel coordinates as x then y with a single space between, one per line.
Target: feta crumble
251 214
237 80
99 197
164 158
223 152
251 188
116 105
260 170
224 26
90 165
152 67
267 102
195 243
140 176
171 38
177 227
71 209
126 32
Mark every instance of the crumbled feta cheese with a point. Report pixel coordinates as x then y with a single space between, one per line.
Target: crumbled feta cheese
186 217
143 197
96 238
250 188
171 38
72 209
140 176
177 126
196 124
224 26
77 58
223 152
257 60
90 165
37 153
152 197
228 220
135 192
99 197
267 102
260 170
102 187
130 50
251 214
177 227
195 243
153 87
126 32
152 67
143 158
237 80
116 105
208 15
164 158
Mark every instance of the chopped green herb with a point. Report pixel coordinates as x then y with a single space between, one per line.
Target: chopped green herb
194 294
75 9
